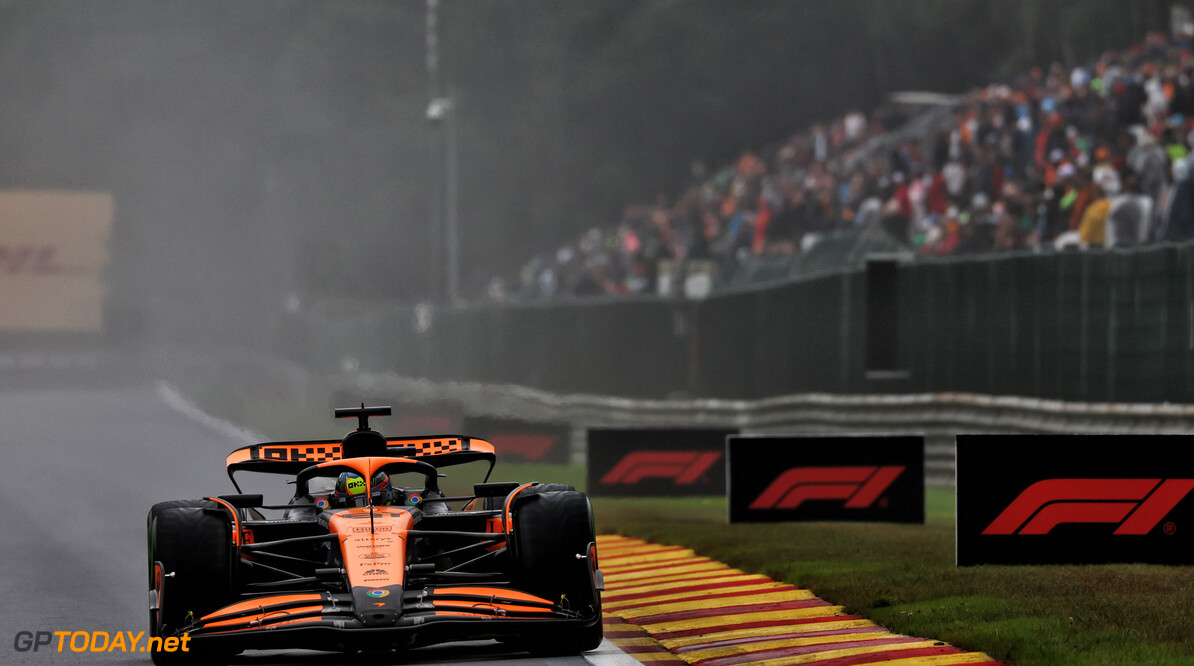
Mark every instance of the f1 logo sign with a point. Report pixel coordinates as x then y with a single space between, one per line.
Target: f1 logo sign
1137 505
859 486
682 467
1075 499
656 462
530 446
856 478
523 440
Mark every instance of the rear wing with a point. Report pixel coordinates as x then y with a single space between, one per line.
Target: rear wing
294 457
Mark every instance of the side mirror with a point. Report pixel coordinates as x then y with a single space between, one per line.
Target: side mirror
244 501
498 489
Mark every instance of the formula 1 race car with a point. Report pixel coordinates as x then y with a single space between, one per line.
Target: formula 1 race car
370 554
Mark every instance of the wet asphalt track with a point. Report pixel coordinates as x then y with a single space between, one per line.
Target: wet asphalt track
79 469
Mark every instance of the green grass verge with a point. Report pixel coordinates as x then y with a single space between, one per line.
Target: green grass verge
904 577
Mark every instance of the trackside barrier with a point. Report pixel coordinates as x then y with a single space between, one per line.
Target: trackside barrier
938 416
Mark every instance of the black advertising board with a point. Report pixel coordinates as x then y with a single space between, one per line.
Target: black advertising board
1075 499
656 462
522 441
835 477
432 418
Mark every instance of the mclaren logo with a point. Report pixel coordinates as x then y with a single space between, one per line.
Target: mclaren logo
859 486
682 467
1135 505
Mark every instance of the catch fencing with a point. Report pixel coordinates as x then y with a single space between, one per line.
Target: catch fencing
1096 326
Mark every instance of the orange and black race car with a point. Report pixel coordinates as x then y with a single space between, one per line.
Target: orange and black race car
371 554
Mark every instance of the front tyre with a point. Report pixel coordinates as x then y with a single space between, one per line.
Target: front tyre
192 540
551 529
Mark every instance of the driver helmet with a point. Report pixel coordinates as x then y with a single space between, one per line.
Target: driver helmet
350 490
381 489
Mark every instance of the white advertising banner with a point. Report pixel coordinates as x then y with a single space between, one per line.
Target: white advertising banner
53 255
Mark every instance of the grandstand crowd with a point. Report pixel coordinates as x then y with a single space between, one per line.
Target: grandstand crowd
1085 157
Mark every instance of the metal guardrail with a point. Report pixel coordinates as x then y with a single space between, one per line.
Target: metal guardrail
939 416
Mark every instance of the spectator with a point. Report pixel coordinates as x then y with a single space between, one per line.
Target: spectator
1150 162
1092 229
1037 164
1130 215
1058 197
1084 191
1179 218
1009 233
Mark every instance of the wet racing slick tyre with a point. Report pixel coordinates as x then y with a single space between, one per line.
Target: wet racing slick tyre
551 528
191 539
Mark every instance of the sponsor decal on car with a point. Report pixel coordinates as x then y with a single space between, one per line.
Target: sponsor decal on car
378 594
437 447
365 515
376 528
295 452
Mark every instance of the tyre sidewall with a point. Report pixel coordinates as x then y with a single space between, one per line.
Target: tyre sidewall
552 527
193 540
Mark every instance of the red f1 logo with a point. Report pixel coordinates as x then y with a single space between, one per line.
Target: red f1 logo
859 486
1136 504
683 467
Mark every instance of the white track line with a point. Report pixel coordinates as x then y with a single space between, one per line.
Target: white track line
608 654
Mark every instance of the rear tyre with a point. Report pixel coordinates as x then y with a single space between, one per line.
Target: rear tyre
192 539
551 528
